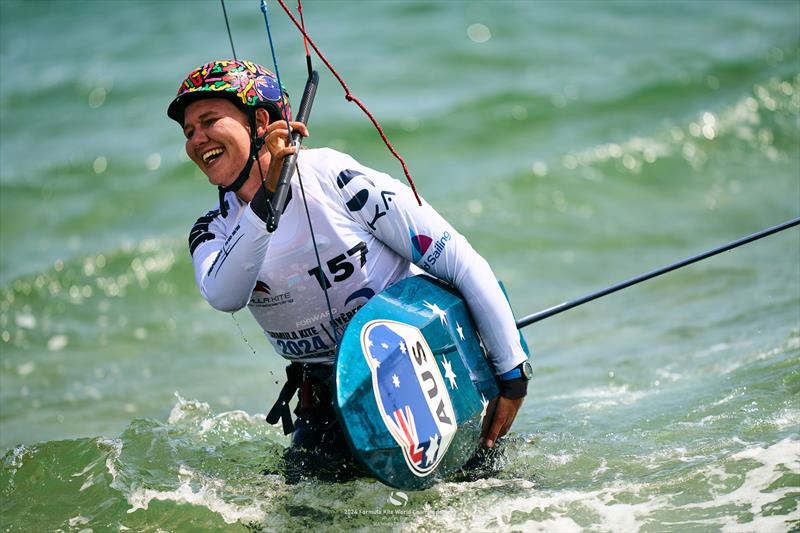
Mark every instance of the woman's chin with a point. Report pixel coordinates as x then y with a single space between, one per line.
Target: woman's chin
218 179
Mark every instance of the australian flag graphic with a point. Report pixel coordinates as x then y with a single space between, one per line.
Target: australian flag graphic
411 394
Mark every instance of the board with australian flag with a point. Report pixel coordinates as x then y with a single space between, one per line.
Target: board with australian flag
413 383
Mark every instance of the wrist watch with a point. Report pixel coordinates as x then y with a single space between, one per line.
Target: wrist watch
522 370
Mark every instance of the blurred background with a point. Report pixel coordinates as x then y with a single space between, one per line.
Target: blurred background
575 144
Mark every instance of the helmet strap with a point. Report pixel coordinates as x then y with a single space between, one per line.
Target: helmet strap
256 143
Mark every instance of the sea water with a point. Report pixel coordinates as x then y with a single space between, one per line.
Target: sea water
575 144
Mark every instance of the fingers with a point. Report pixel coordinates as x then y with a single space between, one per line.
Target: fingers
279 126
491 423
497 423
499 417
277 138
487 419
300 128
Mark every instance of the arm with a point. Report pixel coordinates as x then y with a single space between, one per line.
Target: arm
388 209
226 264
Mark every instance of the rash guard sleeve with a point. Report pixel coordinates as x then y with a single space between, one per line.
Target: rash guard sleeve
227 254
389 210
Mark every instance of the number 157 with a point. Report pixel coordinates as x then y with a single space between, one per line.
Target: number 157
339 267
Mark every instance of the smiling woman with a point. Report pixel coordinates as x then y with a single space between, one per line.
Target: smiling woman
229 102
366 227
573 148
217 135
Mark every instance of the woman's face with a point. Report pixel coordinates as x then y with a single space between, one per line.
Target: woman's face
217 138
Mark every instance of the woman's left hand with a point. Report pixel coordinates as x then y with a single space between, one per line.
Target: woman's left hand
500 414
277 142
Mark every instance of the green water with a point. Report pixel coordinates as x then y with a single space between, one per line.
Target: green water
574 143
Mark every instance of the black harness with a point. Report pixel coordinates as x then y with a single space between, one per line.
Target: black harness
315 383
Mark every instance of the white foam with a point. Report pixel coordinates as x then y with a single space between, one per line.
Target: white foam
597 398
602 469
185 408
559 459
206 495
655 460
223 421
497 507
753 492
728 366
502 505
78 521
727 398
116 450
666 374
713 349
785 419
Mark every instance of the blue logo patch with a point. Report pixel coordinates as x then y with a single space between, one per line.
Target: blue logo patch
410 392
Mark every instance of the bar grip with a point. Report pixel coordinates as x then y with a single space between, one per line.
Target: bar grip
278 201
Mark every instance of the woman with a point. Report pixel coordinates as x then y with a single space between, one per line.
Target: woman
369 230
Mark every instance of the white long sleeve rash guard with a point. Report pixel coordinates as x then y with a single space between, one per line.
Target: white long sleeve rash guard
370 232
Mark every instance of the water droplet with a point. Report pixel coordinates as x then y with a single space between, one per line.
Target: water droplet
519 112
479 33
26 321
153 161
100 164
97 97
709 118
629 161
475 207
26 368
56 343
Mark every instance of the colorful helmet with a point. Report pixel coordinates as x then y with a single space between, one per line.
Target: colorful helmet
244 83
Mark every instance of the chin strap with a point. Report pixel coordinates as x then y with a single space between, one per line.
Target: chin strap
256 143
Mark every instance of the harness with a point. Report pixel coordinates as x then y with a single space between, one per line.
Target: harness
315 385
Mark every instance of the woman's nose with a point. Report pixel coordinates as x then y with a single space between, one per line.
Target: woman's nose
198 137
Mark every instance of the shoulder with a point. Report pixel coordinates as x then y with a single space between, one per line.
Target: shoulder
326 161
329 169
206 227
340 171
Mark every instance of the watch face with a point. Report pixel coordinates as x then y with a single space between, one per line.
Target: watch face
527 370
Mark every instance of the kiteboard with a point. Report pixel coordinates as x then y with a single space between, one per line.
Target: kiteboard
413 383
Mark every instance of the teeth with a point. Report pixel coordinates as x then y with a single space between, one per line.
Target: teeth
211 153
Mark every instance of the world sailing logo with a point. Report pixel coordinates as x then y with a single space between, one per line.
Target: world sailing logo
419 245
410 392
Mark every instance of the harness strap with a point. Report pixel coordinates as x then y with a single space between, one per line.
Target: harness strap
280 411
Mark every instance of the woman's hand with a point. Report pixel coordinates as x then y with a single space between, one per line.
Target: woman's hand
500 414
277 142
